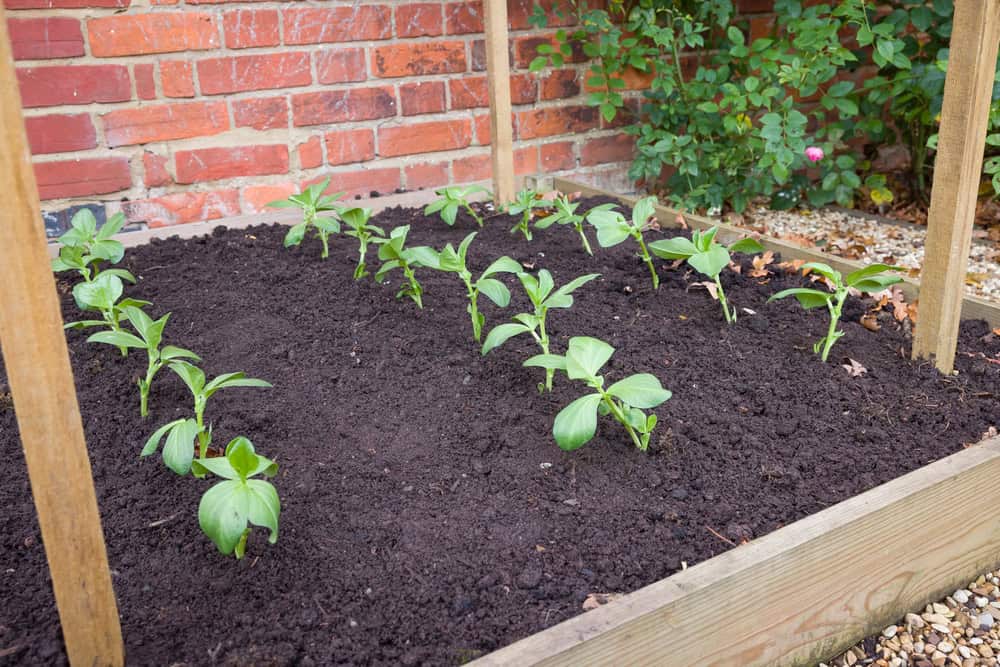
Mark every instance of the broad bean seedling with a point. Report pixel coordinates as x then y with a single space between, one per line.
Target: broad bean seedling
85 246
565 214
395 255
613 228
576 424
357 220
103 294
312 202
524 205
452 199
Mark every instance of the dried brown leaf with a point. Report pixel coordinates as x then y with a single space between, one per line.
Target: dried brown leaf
595 600
870 321
760 264
712 288
854 369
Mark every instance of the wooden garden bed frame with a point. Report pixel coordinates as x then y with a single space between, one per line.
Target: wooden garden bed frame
796 596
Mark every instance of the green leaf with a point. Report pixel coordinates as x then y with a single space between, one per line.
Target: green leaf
111 227
121 273
824 270
237 379
503 265
295 234
611 227
553 361
222 514
876 283
449 213
642 390
675 248
868 271
191 375
154 440
111 250
586 356
808 298
264 507
643 210
118 339
576 424
240 454
178 450
171 352
495 290
747 246
500 334
100 294
562 297
711 262
84 222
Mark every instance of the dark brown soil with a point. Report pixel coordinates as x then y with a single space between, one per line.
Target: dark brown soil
428 516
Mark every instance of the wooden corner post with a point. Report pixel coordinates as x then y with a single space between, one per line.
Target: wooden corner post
41 382
501 116
968 91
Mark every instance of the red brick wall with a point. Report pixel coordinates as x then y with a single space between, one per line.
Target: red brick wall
183 110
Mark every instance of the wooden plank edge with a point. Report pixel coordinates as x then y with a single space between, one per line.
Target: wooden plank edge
973 307
805 592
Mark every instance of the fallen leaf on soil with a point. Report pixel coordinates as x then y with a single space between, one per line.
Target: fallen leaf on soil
791 266
799 239
595 600
760 263
681 221
854 369
710 286
870 321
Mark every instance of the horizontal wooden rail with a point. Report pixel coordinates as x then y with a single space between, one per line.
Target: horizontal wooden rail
805 592
973 308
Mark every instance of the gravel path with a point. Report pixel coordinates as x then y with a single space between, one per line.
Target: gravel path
961 630
861 237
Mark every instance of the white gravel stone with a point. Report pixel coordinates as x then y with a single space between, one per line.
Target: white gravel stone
961 596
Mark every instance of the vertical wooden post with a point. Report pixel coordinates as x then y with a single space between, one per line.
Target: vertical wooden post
501 116
41 381
967 93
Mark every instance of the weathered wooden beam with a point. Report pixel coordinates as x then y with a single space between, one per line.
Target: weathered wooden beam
968 90
501 116
805 592
971 307
41 382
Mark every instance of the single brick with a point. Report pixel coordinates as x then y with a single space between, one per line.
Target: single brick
43 38
472 92
526 160
472 168
339 106
164 122
461 18
257 197
421 97
555 120
557 156
418 58
219 76
154 169
441 135
145 81
347 146
183 207
349 23
73 84
560 84
261 113
60 133
616 148
162 32
82 177
245 28
311 153
363 182
176 78
420 176
418 19
216 164
340 66
481 125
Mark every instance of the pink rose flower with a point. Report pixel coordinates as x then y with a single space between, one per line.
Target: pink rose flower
814 154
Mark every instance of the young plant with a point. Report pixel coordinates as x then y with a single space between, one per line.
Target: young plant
228 511
542 298
625 400
312 201
85 246
527 200
102 295
453 261
867 279
451 200
149 338
395 255
613 228
566 215
357 219
706 257
178 450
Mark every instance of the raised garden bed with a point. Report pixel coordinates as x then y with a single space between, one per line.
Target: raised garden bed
427 514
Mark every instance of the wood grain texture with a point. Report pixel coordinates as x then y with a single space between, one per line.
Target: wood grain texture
501 116
805 592
968 90
973 308
41 382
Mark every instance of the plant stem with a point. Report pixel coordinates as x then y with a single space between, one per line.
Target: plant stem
583 235
475 216
620 416
730 316
473 293
649 260
831 332
415 289
326 246
203 436
543 340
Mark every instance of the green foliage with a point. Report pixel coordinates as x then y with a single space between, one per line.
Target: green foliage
178 450
85 246
871 278
707 257
452 199
149 338
732 131
103 294
229 509
540 292
565 214
527 200
312 202
356 220
453 261
613 228
625 400
395 255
